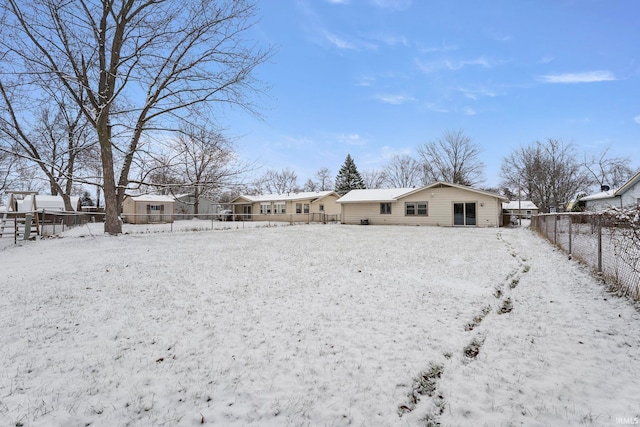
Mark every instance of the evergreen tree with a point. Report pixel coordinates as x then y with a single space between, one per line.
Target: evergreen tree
86 199
348 178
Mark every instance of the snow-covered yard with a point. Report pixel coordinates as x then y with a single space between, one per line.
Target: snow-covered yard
311 325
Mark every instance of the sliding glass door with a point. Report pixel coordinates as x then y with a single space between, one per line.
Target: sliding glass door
464 214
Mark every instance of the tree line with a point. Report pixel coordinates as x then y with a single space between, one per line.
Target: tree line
550 173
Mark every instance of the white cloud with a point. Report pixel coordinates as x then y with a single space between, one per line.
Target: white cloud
586 77
455 64
351 139
338 1
637 119
394 99
476 94
469 111
338 41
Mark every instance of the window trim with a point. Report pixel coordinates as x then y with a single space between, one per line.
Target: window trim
416 209
282 205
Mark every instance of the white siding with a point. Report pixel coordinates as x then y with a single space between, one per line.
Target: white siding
439 207
631 196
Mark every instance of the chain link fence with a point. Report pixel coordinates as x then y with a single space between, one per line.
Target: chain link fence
607 241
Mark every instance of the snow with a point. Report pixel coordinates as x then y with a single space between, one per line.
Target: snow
310 325
519 204
288 197
375 195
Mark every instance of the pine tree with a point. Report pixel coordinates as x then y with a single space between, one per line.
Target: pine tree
348 177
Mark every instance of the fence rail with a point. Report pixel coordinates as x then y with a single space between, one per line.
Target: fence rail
52 223
608 242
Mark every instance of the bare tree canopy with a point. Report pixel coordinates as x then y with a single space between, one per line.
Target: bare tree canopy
54 139
402 171
324 180
547 173
608 171
373 178
278 182
452 158
132 67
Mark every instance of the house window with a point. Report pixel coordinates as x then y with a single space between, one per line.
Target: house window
265 208
321 208
306 208
299 208
415 208
280 208
385 208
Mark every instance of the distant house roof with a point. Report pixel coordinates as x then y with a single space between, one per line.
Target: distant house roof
521 204
610 194
307 195
152 198
393 194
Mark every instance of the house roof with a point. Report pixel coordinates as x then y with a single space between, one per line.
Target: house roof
519 204
375 195
152 198
393 194
601 195
633 181
306 195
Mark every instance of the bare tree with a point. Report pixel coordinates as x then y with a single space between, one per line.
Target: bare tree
548 174
53 141
278 182
132 67
324 180
452 158
7 171
402 171
608 171
205 162
310 185
373 178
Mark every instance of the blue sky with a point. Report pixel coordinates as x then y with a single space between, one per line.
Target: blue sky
375 78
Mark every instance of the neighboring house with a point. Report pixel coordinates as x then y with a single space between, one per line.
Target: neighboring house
520 208
185 206
439 204
296 207
599 201
626 196
148 208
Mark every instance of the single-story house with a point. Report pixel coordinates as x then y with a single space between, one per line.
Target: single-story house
439 204
520 208
308 206
627 195
185 206
148 208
